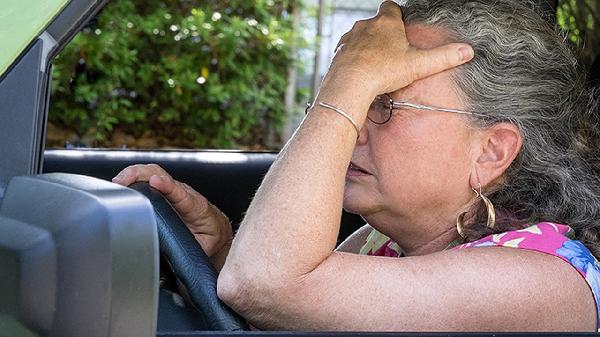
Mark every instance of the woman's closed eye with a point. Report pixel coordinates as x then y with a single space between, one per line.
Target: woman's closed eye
382 108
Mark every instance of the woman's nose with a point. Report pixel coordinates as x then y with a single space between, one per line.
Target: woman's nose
362 135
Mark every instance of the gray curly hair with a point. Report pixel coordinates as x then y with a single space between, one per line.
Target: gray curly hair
524 73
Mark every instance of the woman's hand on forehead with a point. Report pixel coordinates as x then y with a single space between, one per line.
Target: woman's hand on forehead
375 57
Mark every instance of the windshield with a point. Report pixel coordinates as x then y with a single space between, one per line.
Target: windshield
20 22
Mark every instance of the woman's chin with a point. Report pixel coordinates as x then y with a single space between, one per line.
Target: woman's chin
361 200
352 210
354 204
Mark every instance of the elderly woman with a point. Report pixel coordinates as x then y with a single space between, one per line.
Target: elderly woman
467 160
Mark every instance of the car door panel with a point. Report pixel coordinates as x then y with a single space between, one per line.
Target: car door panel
227 178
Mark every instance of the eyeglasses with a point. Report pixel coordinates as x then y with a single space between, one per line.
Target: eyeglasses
380 111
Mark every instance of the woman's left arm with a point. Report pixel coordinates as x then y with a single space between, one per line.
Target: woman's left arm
291 226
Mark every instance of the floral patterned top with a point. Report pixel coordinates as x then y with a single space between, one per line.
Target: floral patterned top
546 237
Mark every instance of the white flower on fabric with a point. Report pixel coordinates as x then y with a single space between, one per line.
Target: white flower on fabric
531 229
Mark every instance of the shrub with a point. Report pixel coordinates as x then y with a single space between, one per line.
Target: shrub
187 75
580 19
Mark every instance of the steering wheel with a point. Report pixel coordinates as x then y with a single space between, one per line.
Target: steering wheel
190 264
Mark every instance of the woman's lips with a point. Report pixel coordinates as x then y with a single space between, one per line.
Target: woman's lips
356 171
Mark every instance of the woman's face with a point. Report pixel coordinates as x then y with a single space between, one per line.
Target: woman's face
419 162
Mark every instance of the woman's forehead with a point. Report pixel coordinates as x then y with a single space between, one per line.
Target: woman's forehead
426 37
438 88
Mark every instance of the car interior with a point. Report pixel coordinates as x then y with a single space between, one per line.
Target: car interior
82 256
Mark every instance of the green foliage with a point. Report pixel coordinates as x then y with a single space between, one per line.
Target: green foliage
580 19
198 74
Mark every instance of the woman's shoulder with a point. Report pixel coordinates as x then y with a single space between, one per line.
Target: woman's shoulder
546 237
489 280
549 238
552 239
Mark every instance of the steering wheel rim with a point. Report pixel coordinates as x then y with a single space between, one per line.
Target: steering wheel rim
190 264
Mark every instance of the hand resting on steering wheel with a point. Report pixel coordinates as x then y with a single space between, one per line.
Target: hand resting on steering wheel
210 226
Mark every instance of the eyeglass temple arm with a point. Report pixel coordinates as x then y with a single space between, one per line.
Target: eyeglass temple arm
431 108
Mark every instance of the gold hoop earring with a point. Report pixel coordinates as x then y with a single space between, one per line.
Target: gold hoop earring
460 224
491 213
491 216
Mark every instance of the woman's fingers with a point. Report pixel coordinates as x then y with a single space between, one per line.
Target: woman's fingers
421 63
139 172
184 200
208 224
389 8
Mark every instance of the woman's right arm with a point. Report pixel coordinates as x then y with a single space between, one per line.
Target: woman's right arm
210 226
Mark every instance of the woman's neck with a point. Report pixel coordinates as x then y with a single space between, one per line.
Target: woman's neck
438 243
418 238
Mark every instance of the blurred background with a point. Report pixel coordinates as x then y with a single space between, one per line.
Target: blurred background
232 74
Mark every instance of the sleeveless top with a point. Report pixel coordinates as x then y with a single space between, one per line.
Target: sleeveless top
545 237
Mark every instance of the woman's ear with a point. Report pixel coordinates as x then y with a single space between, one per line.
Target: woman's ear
499 145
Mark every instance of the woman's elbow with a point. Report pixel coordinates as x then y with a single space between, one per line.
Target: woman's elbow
240 290
256 298
230 289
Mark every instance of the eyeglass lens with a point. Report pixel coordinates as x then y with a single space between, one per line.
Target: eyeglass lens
380 110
